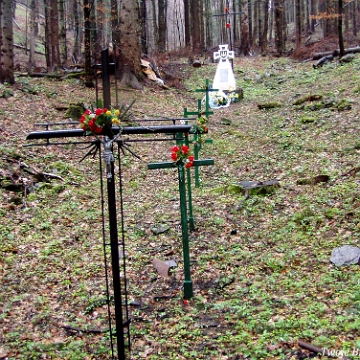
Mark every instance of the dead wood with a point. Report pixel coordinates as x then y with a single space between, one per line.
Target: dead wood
319 351
319 55
323 60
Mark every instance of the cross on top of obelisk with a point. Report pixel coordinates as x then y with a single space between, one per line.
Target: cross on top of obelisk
224 53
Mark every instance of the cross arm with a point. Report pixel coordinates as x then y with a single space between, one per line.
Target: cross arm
127 130
170 164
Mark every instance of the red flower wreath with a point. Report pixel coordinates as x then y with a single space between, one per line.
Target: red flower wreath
182 154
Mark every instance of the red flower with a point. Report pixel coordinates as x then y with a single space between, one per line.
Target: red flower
174 156
82 118
189 164
185 302
99 111
191 158
91 124
97 129
227 25
226 10
184 149
87 112
175 149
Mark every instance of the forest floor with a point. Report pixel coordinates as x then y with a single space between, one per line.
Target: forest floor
259 263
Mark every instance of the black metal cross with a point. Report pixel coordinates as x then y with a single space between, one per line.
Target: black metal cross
121 319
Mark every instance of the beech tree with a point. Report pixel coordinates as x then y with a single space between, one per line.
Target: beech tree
6 42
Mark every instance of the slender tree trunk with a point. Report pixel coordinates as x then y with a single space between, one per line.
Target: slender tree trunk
196 27
78 33
265 27
208 24
54 23
32 32
143 33
115 25
279 26
89 82
245 41
255 22
187 23
312 14
250 22
340 31
162 25
298 21
62 32
354 18
7 55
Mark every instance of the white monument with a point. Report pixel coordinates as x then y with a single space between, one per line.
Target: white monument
224 76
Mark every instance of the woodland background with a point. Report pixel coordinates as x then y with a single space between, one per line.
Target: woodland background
58 34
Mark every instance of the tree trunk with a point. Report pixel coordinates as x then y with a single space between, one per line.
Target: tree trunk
265 27
62 33
312 14
187 23
208 25
330 20
89 82
279 26
129 64
115 23
340 31
33 27
78 33
250 22
142 15
354 19
7 55
162 25
245 41
196 27
55 45
298 23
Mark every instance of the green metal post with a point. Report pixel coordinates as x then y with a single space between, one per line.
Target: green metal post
189 193
188 286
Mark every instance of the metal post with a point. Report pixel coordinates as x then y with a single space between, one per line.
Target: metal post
105 74
114 245
188 286
189 192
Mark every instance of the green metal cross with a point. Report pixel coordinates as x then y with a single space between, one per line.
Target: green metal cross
197 137
188 286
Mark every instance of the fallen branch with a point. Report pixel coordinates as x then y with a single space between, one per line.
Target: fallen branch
72 329
321 351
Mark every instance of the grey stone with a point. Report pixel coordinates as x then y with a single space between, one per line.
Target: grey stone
345 255
160 229
163 267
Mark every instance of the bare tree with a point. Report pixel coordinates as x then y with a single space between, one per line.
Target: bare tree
6 42
62 32
33 31
162 25
87 45
52 48
279 26
130 52
340 31
298 23
196 27
78 32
